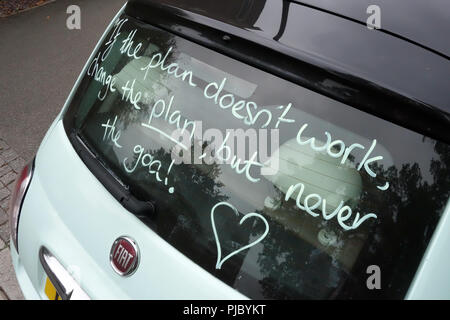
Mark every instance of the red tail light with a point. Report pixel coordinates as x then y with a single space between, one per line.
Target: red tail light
18 194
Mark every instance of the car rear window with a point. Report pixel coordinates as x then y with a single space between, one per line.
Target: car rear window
276 190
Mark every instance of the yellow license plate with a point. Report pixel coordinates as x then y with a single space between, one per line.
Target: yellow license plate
50 291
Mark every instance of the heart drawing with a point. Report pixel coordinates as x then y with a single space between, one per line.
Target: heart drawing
220 261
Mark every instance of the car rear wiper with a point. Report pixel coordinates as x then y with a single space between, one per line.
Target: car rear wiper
143 209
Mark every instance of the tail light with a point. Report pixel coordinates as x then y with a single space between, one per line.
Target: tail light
20 189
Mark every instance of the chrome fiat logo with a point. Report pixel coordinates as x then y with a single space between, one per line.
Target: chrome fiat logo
124 256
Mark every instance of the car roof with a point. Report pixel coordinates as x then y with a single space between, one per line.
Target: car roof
424 22
324 51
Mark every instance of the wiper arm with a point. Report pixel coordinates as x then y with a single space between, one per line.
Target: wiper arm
142 209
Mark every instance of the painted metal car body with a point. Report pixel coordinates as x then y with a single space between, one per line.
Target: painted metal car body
76 207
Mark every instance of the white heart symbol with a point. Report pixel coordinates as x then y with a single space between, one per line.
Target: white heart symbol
245 217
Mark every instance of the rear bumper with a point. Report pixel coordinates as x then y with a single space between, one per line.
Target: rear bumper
24 280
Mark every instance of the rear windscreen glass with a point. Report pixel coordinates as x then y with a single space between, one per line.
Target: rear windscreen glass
278 191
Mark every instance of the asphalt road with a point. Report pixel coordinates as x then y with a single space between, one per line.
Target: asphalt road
40 60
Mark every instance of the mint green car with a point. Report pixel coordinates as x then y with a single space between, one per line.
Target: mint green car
208 151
